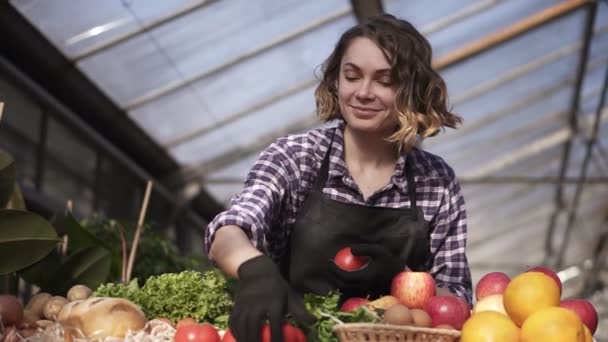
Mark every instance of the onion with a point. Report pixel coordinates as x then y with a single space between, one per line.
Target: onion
11 310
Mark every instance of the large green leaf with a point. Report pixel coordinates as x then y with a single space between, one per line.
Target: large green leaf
7 177
25 238
90 267
16 201
78 236
44 274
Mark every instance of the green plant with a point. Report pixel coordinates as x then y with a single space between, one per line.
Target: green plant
25 237
155 255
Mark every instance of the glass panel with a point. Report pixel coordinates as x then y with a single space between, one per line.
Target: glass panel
76 26
170 53
247 131
118 191
69 166
551 37
422 13
20 130
243 85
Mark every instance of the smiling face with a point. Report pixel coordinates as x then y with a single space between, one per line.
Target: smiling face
366 92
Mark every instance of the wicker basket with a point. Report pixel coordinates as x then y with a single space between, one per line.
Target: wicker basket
372 332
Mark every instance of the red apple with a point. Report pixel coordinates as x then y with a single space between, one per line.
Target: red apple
347 261
491 283
353 303
585 310
413 289
551 273
447 310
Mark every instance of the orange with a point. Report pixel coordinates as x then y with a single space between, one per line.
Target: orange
528 293
554 324
588 336
489 326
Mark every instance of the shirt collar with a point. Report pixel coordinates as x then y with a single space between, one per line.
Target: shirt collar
337 163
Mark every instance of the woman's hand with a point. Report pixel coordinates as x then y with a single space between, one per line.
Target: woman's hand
263 294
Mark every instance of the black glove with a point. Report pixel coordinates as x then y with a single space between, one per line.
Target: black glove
262 294
375 276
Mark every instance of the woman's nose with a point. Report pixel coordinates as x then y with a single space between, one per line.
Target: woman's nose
364 90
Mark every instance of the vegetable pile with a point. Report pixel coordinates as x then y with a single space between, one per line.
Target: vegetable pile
328 314
175 296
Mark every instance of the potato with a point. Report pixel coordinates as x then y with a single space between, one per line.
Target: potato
53 306
78 292
37 302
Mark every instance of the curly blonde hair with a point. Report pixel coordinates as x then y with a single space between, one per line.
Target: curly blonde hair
421 95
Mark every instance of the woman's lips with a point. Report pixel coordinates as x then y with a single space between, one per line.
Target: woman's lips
364 111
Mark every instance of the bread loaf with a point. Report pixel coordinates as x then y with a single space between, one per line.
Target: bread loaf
100 317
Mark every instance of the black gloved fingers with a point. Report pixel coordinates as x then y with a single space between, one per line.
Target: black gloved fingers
275 316
370 250
237 324
253 325
298 310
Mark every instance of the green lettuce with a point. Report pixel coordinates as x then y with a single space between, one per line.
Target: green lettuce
202 296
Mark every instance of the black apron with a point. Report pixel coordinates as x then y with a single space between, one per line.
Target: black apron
324 226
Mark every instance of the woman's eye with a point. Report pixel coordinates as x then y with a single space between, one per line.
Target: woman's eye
351 78
385 81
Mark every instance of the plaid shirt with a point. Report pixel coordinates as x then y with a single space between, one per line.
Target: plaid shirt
284 173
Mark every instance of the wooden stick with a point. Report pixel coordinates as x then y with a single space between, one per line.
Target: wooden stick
123 245
508 33
140 223
1 109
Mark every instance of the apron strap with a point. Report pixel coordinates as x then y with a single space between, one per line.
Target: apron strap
322 175
411 186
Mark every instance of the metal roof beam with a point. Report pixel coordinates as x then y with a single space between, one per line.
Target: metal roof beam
518 29
531 180
583 174
366 8
573 129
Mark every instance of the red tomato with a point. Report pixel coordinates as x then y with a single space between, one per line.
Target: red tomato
228 337
347 261
290 334
186 321
196 333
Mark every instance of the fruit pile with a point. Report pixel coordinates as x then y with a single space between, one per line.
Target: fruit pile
528 307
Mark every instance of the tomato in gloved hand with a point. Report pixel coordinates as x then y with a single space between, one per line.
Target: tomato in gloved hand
290 334
197 333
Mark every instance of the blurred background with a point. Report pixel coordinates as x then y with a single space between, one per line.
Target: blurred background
101 96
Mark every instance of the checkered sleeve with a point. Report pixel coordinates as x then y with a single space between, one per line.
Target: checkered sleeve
256 207
450 267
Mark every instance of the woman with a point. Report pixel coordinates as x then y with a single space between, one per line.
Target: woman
361 184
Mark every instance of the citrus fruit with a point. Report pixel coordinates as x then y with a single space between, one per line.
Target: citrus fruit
553 324
588 336
489 326
528 293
